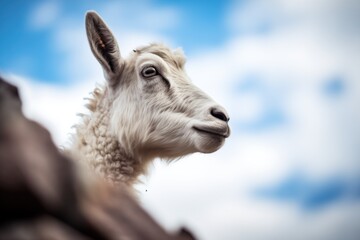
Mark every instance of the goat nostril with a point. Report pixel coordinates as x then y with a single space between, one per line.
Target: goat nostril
219 115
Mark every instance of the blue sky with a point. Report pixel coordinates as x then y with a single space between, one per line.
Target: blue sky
30 50
286 71
312 195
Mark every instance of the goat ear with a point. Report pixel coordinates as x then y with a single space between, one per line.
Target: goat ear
104 46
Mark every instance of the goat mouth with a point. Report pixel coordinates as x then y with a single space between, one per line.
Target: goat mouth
213 131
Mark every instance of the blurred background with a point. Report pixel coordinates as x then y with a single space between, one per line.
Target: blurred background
288 72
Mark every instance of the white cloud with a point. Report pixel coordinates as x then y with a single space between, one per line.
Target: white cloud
147 16
44 14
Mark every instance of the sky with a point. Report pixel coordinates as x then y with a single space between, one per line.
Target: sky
286 71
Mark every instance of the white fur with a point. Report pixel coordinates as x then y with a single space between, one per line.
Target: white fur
136 119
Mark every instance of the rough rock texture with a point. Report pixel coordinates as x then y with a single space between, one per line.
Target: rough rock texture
45 195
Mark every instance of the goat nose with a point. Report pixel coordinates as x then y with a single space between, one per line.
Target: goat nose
219 114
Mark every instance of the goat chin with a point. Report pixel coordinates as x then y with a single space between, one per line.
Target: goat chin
210 143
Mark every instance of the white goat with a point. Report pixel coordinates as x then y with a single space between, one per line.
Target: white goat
148 108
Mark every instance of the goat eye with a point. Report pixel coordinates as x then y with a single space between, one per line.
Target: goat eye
149 72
